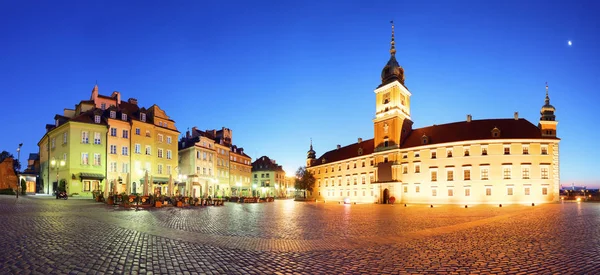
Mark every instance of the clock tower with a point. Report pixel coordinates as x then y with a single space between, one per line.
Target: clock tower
392 121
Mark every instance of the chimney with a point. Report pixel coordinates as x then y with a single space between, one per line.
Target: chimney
132 101
359 140
516 115
469 118
116 95
187 134
339 146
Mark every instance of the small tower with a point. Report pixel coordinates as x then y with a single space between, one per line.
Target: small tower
310 155
548 121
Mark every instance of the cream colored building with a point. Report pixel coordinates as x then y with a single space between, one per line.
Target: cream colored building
468 162
211 165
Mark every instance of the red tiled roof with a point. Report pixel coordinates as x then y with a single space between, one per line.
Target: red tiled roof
264 163
446 133
510 128
346 152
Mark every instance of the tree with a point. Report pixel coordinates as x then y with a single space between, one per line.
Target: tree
305 180
16 165
23 187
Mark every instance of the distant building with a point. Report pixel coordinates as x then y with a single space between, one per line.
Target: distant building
31 174
212 166
268 178
473 161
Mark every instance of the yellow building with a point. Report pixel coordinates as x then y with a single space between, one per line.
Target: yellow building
118 144
468 162
211 166
268 178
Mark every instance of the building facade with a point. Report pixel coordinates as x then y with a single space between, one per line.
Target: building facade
268 178
97 146
210 165
468 162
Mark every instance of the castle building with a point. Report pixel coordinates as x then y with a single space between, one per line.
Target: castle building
506 160
109 145
212 166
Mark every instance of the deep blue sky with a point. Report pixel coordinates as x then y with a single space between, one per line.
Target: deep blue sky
278 73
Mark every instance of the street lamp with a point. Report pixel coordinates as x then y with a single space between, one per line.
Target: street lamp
19 162
56 166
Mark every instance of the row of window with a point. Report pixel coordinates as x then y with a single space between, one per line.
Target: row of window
339 166
348 179
484 151
484 173
86 161
510 190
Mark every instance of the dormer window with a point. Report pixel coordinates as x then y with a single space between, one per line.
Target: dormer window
103 106
124 117
449 152
165 124
97 119
495 132
143 117
360 151
160 123
56 122
425 139
113 114
386 142
323 160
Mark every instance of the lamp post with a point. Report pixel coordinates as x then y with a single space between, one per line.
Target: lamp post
56 166
19 172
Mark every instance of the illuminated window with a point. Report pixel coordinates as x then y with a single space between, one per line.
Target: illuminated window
417 168
355 180
404 169
97 160
525 173
544 149
148 150
364 179
433 192
509 191
488 191
525 149
507 149
506 173
527 191
417 189
347 180
405 189
484 173
467 192
544 191
467 174
544 173
84 159
450 192
340 181
433 175
125 151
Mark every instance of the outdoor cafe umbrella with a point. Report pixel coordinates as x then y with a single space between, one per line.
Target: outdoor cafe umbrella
146 184
171 186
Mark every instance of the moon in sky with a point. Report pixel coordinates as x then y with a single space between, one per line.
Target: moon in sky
570 43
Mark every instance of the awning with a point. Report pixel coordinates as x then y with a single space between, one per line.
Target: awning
160 180
91 176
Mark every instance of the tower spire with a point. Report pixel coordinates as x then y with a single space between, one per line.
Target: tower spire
547 97
311 144
393 47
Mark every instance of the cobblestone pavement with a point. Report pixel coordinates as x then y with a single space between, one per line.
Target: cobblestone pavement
48 236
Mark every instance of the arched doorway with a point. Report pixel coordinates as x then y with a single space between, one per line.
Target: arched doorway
386 196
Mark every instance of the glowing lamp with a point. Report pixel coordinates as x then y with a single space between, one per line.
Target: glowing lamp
346 200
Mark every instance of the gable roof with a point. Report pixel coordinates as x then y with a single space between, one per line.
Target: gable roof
510 128
346 152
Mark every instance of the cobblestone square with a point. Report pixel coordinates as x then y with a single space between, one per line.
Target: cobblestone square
41 235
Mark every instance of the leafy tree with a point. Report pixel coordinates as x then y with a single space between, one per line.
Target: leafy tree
305 180
16 164
62 186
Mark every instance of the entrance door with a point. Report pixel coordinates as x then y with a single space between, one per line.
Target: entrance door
386 196
54 187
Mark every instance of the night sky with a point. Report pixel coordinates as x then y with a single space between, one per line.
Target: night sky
283 72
